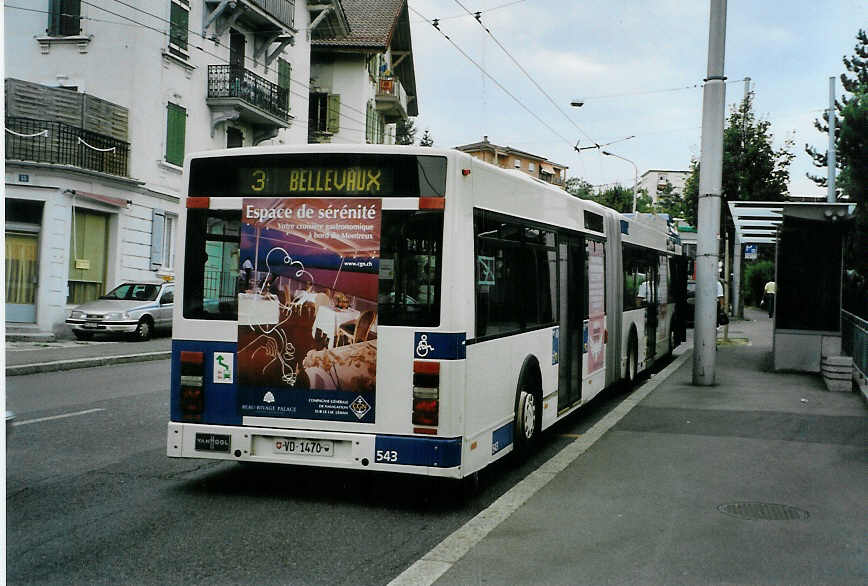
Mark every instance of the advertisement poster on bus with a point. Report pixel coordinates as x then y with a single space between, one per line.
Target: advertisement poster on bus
596 305
307 308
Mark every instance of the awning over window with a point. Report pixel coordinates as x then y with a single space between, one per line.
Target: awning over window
544 168
106 199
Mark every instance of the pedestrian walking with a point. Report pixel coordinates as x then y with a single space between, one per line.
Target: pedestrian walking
769 297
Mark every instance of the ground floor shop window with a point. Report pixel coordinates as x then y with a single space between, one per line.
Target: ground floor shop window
88 249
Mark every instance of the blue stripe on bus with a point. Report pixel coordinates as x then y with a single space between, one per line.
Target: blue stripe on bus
501 437
221 402
417 451
440 346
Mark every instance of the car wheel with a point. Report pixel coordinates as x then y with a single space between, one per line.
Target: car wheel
82 335
144 330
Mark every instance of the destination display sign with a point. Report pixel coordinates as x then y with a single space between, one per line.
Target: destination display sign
317 180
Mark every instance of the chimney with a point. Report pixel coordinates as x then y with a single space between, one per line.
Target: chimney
485 138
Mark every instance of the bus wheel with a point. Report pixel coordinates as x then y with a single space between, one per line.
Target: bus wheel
527 422
632 361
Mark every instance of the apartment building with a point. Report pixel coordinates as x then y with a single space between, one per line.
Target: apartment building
363 82
510 158
654 181
103 101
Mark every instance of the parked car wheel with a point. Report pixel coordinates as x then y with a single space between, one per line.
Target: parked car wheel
82 335
144 330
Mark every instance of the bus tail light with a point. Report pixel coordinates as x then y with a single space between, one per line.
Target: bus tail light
192 385
426 393
198 203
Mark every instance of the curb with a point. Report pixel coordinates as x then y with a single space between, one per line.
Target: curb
58 365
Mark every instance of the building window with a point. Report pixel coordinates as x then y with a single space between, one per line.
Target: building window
517 164
324 114
176 126
179 18
64 18
531 167
234 138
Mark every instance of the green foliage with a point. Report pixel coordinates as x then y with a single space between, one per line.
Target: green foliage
578 187
427 140
670 202
405 132
691 194
756 275
856 84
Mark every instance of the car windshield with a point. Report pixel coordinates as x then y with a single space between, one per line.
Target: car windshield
133 292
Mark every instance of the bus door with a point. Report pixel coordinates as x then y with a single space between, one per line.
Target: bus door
571 255
651 312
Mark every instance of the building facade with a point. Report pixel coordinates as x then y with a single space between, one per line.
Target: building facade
654 181
101 112
364 82
510 158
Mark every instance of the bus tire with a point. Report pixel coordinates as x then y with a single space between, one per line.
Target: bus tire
632 369
527 416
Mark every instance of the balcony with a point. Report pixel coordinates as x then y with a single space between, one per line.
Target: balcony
391 99
43 141
261 16
235 93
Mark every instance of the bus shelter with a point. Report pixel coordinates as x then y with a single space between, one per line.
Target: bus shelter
809 240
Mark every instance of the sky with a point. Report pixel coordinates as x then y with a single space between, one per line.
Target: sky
637 65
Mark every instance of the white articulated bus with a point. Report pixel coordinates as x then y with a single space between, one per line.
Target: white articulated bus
401 309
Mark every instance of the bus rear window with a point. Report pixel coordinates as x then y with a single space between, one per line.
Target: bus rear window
211 264
411 246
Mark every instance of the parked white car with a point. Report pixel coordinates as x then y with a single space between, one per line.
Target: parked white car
130 308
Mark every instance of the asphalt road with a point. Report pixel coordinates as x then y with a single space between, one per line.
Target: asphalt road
92 497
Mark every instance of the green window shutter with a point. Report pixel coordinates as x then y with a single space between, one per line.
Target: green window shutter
333 115
179 19
284 71
176 126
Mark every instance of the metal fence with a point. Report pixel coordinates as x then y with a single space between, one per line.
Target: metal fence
854 339
226 81
45 141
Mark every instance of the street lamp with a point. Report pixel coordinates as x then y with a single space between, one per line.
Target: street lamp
635 175
577 103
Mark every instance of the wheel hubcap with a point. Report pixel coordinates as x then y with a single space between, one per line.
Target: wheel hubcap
144 329
529 416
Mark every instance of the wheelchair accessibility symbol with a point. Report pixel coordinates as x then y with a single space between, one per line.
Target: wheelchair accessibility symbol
423 347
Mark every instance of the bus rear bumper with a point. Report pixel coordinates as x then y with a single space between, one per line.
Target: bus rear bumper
358 451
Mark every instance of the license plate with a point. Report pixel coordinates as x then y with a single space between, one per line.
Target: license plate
90 326
303 447
213 442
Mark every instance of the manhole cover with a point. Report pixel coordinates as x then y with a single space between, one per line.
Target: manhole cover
763 511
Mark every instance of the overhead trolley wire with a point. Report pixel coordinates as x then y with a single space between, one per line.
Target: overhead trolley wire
478 18
436 24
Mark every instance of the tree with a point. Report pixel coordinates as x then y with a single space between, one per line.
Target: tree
405 131
578 187
670 202
851 146
691 194
427 140
856 84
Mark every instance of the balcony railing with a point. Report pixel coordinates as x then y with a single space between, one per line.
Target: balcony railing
226 81
390 89
44 141
282 10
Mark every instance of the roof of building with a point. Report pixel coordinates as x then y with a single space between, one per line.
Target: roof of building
662 171
375 26
485 145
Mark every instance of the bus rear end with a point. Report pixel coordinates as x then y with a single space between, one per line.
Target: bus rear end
311 326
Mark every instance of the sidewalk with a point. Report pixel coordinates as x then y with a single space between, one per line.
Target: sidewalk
34 357
759 479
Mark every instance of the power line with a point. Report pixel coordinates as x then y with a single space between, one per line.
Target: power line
436 25
492 9
478 17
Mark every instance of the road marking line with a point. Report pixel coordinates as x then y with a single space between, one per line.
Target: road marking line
53 417
571 435
446 554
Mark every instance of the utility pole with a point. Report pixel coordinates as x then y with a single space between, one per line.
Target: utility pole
737 298
831 196
710 185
